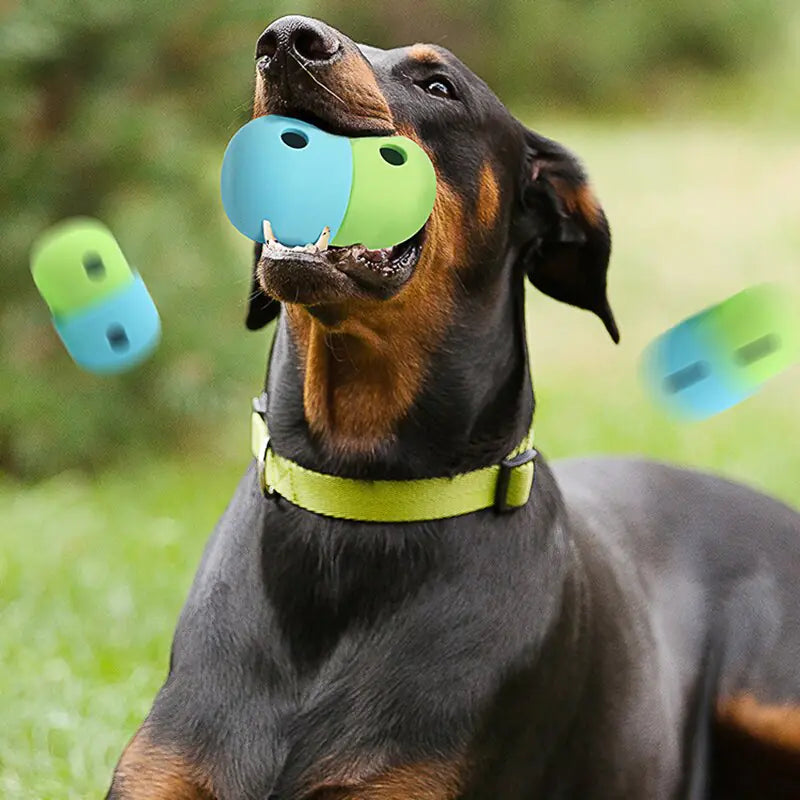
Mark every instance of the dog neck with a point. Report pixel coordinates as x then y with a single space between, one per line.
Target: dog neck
371 397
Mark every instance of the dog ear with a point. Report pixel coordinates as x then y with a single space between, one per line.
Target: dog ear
565 234
261 309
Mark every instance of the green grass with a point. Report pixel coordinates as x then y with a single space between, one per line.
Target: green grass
93 571
698 212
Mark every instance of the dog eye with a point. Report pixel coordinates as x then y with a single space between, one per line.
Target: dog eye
439 87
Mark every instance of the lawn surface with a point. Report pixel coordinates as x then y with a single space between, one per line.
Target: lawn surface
93 571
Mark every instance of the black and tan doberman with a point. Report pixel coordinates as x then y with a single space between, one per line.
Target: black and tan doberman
632 632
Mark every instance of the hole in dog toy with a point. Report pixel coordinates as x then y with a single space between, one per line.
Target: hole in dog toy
760 348
684 378
394 155
117 338
94 266
297 140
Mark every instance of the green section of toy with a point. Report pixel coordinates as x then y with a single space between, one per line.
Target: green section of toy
77 263
758 331
393 192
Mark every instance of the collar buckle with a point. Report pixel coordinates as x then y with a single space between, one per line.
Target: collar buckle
512 468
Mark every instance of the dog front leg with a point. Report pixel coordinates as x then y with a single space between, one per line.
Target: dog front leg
150 771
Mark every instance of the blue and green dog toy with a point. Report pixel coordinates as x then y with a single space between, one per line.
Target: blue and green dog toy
101 308
375 191
725 354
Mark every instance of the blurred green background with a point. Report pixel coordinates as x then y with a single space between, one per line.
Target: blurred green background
687 114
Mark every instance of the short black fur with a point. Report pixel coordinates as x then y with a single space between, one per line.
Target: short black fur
556 652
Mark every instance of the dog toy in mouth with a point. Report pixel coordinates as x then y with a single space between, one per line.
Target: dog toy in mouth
723 355
375 191
101 308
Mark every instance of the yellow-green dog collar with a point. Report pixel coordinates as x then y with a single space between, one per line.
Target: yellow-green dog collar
504 487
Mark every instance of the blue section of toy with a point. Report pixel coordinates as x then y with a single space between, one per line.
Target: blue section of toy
288 172
115 334
686 370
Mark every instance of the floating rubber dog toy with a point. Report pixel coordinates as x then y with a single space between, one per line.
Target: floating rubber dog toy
101 308
375 191
723 355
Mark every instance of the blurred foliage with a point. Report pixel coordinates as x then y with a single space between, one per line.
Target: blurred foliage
121 110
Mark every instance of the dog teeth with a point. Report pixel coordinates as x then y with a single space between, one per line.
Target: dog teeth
273 244
324 238
276 246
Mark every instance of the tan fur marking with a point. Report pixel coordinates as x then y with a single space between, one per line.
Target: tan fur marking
488 197
147 772
427 781
435 781
260 97
352 86
425 54
354 82
580 200
586 202
777 725
362 376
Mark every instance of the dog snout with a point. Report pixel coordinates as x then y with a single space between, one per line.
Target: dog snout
310 41
307 69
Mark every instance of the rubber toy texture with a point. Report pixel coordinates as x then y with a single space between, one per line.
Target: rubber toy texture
371 190
725 354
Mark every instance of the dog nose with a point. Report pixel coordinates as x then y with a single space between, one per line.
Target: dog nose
309 40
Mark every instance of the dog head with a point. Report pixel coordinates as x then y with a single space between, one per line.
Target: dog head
509 201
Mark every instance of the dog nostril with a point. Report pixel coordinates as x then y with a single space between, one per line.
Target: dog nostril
314 45
267 45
